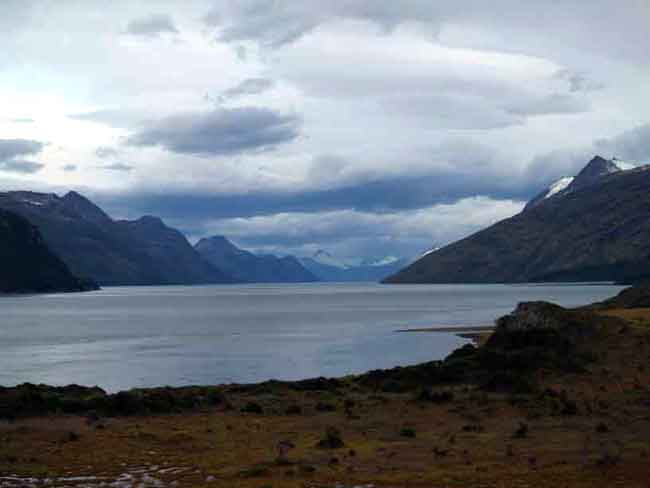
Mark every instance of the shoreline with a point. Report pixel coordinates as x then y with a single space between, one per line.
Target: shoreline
477 334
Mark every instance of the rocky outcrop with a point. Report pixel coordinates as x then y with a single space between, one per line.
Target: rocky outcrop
530 316
542 324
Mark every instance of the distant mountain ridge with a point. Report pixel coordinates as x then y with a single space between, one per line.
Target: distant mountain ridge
597 228
26 263
140 252
250 267
329 268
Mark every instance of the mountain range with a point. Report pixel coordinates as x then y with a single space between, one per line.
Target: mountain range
112 252
87 243
249 267
592 227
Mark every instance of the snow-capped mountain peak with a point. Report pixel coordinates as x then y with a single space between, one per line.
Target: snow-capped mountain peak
591 174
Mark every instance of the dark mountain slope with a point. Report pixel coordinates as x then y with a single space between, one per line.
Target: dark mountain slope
113 253
175 258
593 172
599 231
249 267
27 265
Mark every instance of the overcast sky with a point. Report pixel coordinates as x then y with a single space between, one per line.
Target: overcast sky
367 128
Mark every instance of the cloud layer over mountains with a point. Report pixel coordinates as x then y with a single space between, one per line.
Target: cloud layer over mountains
374 127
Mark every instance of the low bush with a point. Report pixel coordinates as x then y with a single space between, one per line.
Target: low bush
332 439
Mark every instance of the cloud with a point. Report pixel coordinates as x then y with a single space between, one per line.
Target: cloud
435 85
12 151
11 148
555 103
68 168
633 144
105 152
116 118
118 167
220 132
20 166
282 22
249 86
453 112
336 185
152 26
579 82
23 120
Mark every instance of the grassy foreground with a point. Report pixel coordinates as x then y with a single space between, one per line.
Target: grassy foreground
562 403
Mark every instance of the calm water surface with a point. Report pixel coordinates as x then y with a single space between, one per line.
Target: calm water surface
128 337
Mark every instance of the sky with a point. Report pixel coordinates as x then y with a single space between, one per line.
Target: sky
366 128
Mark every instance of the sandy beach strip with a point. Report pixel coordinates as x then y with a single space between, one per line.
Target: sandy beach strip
477 333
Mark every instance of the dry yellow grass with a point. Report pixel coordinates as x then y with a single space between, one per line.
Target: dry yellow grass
639 317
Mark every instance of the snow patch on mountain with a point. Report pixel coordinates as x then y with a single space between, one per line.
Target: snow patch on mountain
625 165
380 261
558 186
426 253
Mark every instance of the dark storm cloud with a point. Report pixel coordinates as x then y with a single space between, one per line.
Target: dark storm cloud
152 26
250 86
386 195
220 132
11 148
20 166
